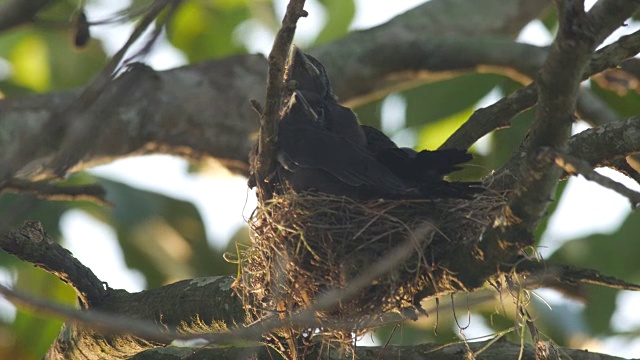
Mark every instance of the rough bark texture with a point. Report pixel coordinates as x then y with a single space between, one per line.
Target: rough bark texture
203 109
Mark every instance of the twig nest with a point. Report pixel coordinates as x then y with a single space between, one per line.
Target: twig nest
307 245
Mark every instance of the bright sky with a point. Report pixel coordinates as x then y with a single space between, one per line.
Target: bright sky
225 201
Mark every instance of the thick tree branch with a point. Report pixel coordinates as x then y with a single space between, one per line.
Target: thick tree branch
207 304
402 52
32 244
75 125
128 323
200 306
190 111
203 109
558 84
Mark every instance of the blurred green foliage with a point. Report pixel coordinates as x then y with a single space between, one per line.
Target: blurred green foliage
164 237
204 29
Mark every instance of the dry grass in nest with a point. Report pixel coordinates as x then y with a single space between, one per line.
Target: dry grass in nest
305 245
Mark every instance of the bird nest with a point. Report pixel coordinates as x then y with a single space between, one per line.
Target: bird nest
338 263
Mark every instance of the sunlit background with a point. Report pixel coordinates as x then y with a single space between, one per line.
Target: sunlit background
224 202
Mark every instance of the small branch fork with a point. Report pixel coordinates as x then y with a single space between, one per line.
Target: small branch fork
264 164
574 166
78 122
501 113
541 274
558 83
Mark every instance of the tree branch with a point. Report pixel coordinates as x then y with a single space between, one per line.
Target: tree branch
558 84
482 350
50 191
603 144
201 110
574 166
500 114
32 244
267 140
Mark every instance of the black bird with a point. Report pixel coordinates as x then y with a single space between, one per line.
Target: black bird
308 76
324 148
314 158
423 171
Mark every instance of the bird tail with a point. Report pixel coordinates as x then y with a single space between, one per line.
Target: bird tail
441 162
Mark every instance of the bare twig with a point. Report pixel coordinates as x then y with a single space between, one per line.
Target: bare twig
267 142
50 191
500 114
542 274
100 321
574 166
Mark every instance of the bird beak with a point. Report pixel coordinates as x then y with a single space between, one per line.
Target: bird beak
297 99
298 64
305 73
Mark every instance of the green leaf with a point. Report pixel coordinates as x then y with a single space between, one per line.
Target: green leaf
435 133
340 14
35 333
29 61
542 227
204 30
550 19
614 255
370 113
625 105
505 141
264 11
163 237
442 99
69 67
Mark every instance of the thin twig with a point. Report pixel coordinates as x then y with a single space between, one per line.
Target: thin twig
542 274
114 324
267 141
50 191
575 166
105 323
502 113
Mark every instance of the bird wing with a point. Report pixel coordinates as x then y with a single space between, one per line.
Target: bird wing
309 147
441 162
